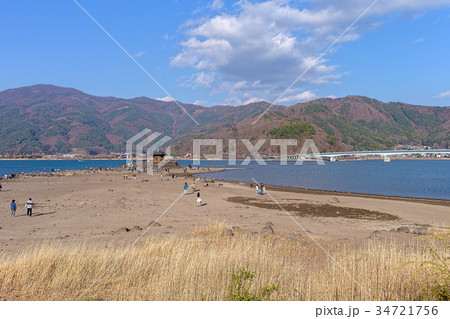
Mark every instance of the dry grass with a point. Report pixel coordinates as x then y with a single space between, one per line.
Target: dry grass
200 266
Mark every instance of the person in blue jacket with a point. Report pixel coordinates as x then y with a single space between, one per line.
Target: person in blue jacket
13 208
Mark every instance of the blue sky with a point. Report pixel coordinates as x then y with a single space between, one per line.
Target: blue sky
231 52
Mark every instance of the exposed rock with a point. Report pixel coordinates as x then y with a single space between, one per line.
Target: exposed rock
403 229
220 184
122 230
137 227
228 232
421 230
154 224
235 228
267 230
375 235
334 200
269 224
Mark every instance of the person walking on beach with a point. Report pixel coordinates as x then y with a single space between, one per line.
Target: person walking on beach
257 190
13 208
199 199
161 177
186 187
262 189
29 205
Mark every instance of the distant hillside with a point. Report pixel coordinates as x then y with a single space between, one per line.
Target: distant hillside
350 123
49 119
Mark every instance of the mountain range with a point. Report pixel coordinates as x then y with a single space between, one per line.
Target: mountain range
48 119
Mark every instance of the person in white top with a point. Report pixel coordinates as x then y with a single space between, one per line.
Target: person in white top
199 199
29 206
257 190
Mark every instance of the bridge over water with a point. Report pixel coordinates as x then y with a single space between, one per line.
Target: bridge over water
385 154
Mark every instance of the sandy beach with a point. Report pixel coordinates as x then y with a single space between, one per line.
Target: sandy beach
94 207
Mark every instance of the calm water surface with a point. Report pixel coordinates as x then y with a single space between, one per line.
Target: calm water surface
409 178
31 166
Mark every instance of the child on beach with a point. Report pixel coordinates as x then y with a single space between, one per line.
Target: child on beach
13 208
161 176
199 199
186 187
257 190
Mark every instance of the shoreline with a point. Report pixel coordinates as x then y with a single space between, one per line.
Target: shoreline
101 206
219 160
291 189
62 159
300 190
84 219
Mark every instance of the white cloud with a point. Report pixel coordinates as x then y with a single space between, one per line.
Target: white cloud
260 48
252 100
204 79
443 95
200 102
419 40
300 97
139 54
216 5
165 99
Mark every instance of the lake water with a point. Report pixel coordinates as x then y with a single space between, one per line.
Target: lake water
409 178
31 166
